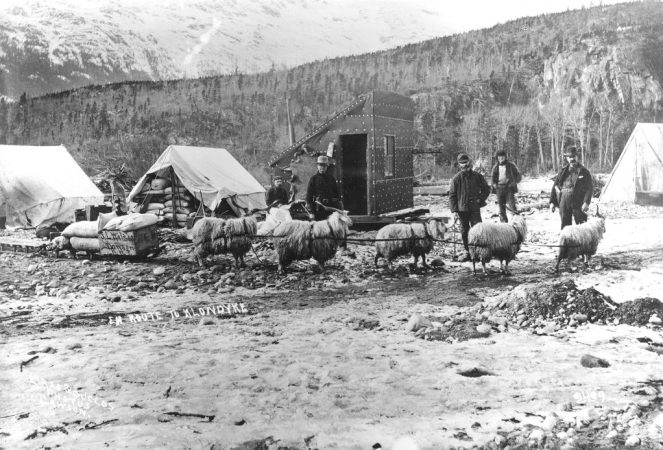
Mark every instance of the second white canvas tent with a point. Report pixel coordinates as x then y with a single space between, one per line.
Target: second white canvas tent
40 185
212 172
638 174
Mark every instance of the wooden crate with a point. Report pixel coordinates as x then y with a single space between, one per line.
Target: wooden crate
129 243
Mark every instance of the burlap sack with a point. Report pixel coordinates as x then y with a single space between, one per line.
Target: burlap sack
86 229
160 184
85 244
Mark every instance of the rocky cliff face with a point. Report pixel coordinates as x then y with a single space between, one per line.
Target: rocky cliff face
615 71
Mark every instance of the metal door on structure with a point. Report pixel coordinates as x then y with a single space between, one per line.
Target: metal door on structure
354 173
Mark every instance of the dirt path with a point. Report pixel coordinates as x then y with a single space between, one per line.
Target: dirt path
319 360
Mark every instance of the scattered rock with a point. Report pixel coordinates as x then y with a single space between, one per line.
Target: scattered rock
585 416
417 322
170 285
655 320
484 329
580 318
537 435
475 372
592 361
549 422
632 441
159 270
437 262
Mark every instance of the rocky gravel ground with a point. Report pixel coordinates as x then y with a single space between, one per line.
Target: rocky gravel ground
352 356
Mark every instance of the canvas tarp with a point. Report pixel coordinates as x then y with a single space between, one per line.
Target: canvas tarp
639 169
212 172
42 185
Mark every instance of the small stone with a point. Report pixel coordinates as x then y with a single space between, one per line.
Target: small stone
159 270
484 329
592 361
612 434
206 321
117 298
417 322
549 422
655 320
499 440
170 285
644 403
437 262
632 441
580 318
58 321
537 435
586 416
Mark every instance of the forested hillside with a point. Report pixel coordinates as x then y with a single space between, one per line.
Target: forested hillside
528 86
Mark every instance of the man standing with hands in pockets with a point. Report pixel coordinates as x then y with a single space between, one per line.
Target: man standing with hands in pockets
505 184
572 190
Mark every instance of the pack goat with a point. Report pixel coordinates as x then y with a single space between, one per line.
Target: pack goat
496 240
302 240
580 240
417 239
212 236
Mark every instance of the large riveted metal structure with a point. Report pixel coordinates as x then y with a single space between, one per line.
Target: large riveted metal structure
370 144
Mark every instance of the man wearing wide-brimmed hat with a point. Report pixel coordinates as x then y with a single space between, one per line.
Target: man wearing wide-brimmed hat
322 188
468 192
277 195
572 190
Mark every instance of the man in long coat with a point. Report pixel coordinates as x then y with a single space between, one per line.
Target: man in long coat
322 187
572 190
468 192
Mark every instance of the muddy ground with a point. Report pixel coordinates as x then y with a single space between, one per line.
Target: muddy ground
325 359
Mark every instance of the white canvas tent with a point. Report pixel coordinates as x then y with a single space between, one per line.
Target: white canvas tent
212 172
638 175
42 185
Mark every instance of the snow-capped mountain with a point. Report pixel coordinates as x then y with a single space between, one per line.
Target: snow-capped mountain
52 45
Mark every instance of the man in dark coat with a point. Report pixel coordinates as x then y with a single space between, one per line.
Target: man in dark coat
468 192
277 195
572 190
322 188
505 184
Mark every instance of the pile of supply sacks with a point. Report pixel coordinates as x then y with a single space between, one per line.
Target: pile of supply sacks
84 236
172 203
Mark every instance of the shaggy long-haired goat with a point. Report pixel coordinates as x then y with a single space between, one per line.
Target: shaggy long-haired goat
581 240
301 240
208 236
496 240
417 239
212 236
239 235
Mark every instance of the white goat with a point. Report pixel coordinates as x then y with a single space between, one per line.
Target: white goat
212 236
301 240
239 234
580 240
208 236
417 239
496 240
